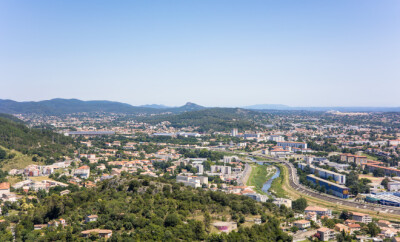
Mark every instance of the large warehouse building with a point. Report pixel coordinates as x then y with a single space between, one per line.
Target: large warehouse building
336 189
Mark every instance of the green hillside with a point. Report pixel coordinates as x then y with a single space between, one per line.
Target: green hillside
140 208
45 144
217 119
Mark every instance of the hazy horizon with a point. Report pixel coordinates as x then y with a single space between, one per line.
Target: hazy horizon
229 106
212 53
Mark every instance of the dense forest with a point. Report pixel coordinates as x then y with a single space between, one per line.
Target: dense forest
140 208
217 119
15 135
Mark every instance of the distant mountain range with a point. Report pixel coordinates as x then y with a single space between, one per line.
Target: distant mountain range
266 107
67 106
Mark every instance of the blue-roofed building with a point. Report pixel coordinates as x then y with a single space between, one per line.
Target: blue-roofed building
336 189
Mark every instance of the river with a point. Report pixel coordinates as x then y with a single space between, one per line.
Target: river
267 185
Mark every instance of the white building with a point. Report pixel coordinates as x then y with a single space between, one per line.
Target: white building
299 145
394 186
302 224
318 210
234 132
225 170
276 138
82 172
200 168
192 181
283 201
339 178
361 217
326 234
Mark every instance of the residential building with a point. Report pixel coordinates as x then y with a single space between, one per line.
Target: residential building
91 218
323 173
354 227
225 170
103 233
82 172
311 216
318 210
302 224
4 188
234 132
192 181
299 145
283 201
342 227
362 217
326 234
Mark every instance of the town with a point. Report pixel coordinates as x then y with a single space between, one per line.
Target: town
331 175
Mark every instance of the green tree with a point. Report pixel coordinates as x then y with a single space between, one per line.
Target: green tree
3 154
299 204
373 229
171 220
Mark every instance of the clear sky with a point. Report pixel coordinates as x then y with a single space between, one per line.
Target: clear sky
211 52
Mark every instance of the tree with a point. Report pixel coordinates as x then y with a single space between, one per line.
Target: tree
379 172
3 154
207 221
171 220
385 182
373 229
345 215
299 204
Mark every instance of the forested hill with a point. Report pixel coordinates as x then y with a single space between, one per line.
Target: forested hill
15 135
60 106
142 208
217 119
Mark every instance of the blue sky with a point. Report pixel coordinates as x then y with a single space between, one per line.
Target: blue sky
214 53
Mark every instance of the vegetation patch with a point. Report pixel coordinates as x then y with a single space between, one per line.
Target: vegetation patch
277 184
260 175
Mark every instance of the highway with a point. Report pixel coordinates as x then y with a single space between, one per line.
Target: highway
294 183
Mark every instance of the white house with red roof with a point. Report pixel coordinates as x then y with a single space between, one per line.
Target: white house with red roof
82 172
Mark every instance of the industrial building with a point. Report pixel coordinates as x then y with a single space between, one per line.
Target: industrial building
385 198
335 189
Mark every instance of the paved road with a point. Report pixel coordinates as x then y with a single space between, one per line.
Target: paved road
301 236
294 183
245 175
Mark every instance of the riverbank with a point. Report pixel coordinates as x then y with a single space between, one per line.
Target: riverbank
260 174
277 184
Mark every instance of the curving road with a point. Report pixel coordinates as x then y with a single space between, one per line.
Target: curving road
294 183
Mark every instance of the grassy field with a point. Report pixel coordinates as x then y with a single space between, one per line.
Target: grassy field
13 179
276 186
259 175
20 161
369 157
